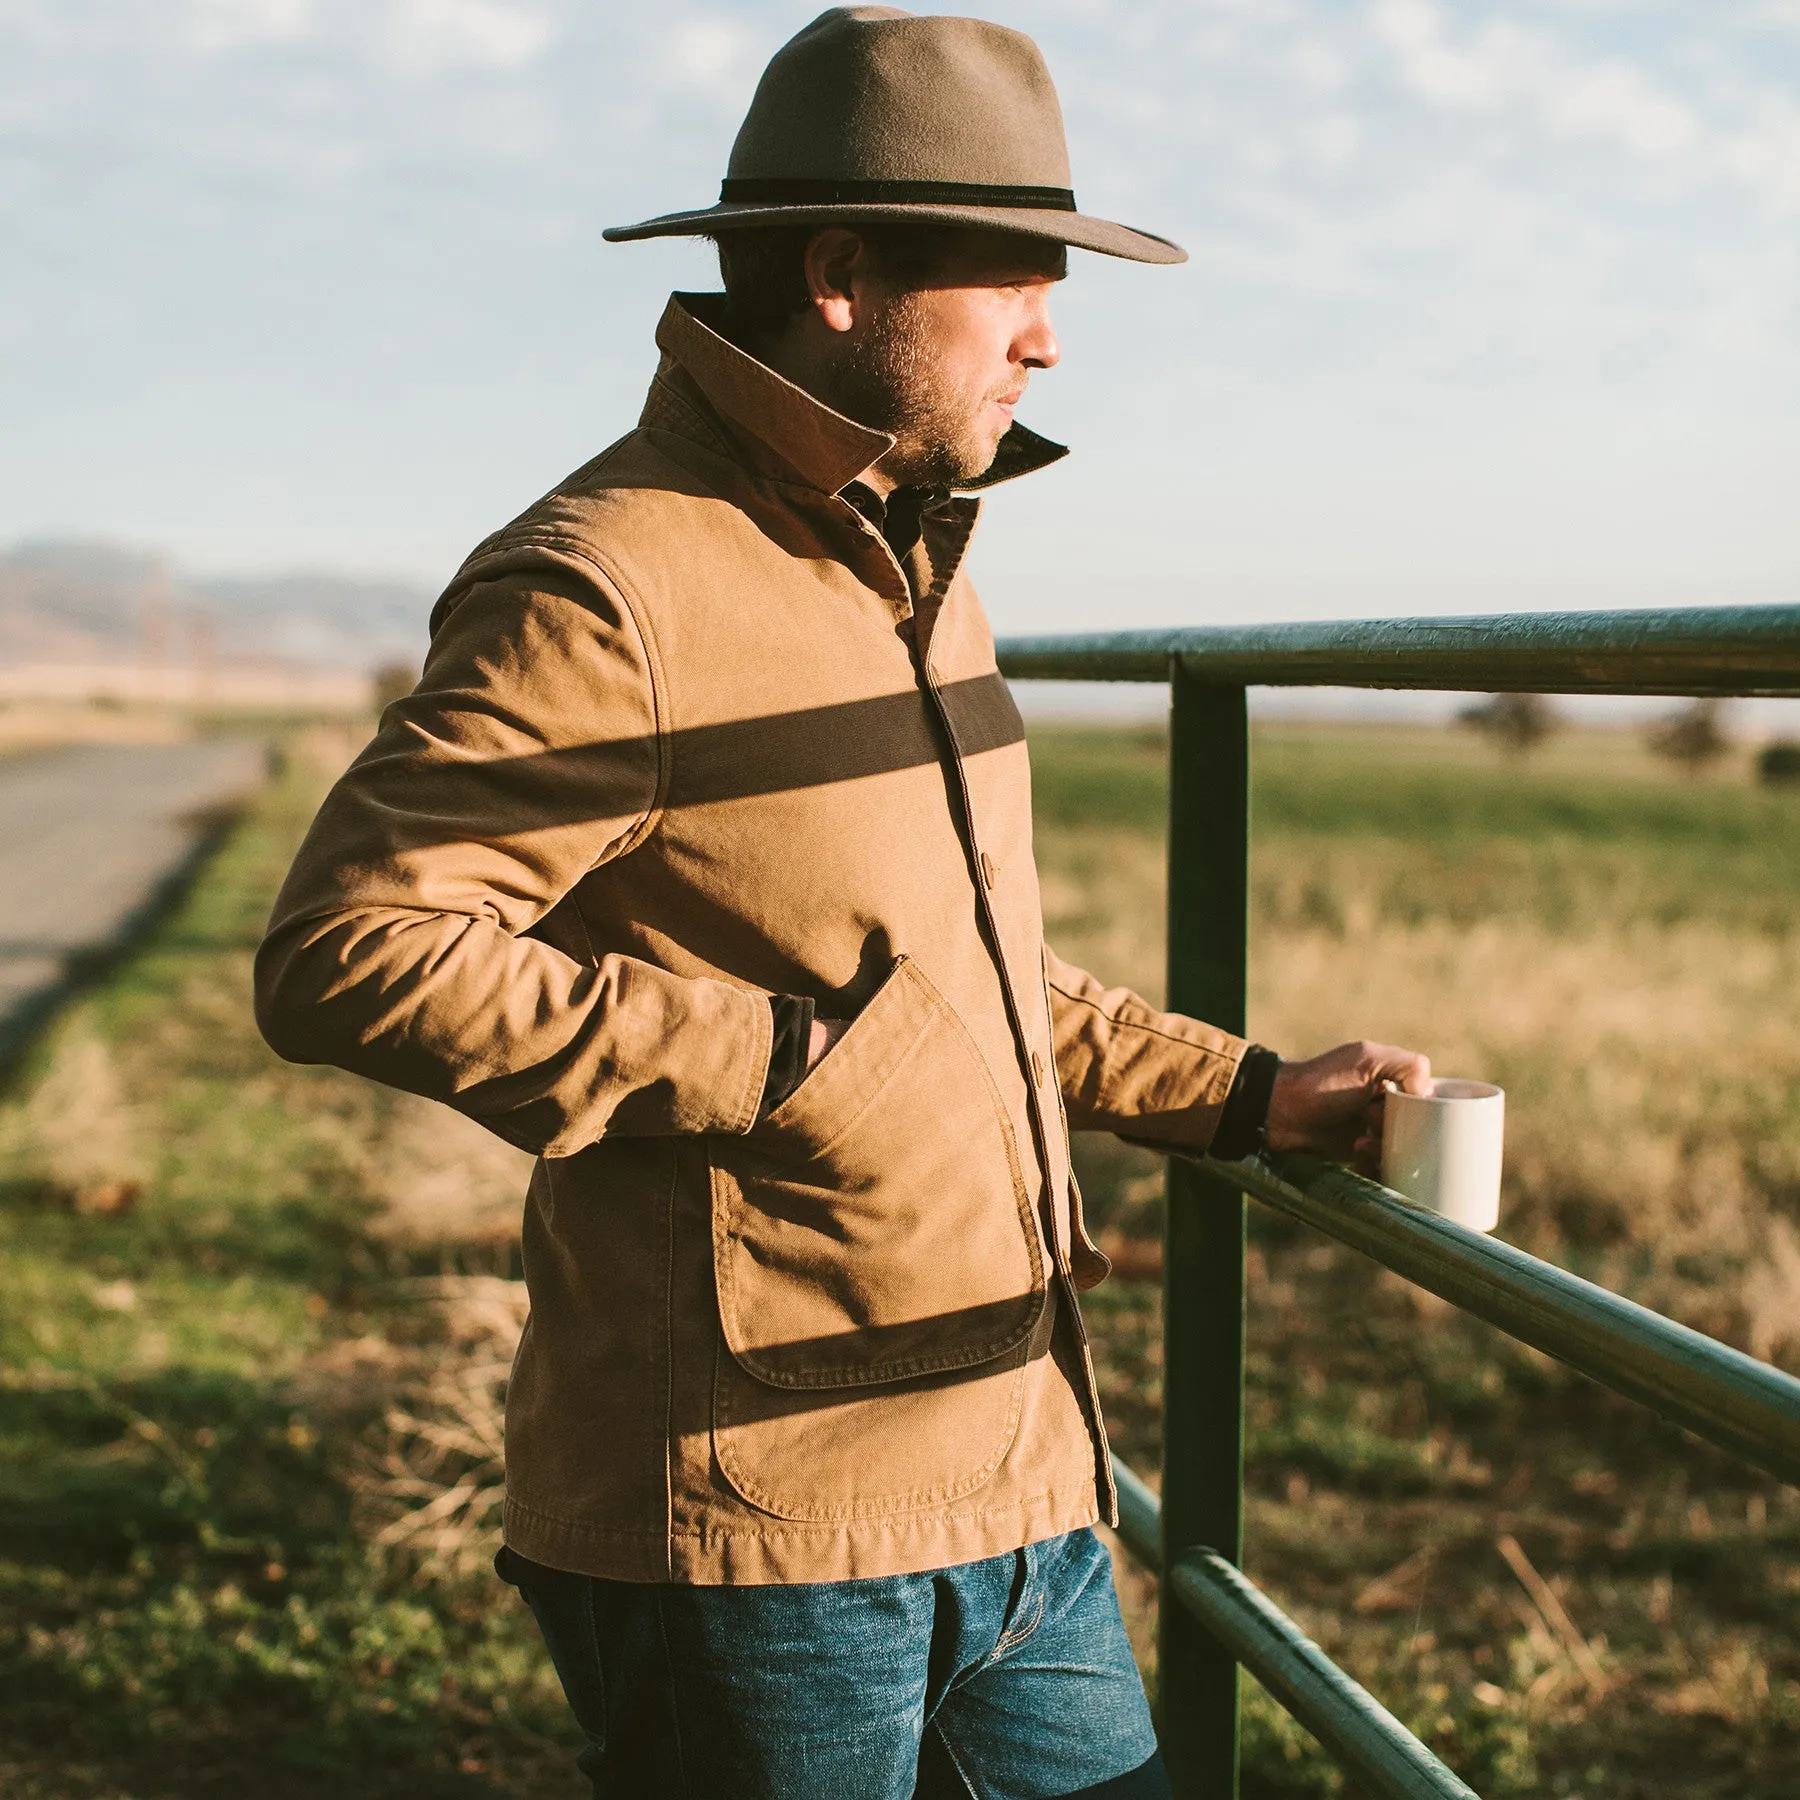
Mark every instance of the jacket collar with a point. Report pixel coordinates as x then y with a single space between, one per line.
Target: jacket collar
825 449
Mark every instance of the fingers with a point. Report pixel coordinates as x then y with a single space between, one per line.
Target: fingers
1332 1105
1417 1079
1408 1070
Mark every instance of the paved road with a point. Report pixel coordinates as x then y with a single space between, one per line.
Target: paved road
88 833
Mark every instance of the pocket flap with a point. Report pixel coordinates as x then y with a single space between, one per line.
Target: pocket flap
877 1226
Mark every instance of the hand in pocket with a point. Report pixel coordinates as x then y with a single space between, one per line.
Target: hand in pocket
825 1033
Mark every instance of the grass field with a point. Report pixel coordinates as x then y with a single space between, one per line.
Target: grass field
1619 947
249 1314
203 1395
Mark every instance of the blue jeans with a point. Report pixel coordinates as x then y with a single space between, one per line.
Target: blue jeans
1006 1679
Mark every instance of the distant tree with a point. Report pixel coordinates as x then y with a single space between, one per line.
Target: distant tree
1516 722
393 681
1779 763
1695 737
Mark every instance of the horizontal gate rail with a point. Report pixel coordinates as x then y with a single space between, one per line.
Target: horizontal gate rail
1212 1617
1140 1515
1717 1393
1698 650
1345 1717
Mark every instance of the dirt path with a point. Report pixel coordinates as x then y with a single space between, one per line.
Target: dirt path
89 833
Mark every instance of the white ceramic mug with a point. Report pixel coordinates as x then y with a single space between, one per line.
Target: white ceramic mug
1442 1150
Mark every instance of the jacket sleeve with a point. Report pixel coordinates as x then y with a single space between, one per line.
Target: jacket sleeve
532 750
1155 1077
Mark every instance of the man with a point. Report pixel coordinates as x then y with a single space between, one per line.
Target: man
699 863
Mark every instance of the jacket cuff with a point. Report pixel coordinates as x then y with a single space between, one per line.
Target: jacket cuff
793 1022
1246 1108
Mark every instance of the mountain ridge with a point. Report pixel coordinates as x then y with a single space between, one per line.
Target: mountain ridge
93 600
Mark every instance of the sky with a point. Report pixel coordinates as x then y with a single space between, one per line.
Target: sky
1489 306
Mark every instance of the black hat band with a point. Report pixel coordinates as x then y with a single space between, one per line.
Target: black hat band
780 191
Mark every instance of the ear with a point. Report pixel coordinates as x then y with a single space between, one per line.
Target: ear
836 270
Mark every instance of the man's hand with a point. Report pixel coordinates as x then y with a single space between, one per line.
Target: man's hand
1331 1105
825 1033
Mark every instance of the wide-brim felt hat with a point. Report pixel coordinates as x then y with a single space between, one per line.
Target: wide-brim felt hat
874 113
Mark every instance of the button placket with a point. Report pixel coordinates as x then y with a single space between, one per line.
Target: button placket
960 526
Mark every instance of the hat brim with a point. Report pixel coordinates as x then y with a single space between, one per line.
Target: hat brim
1073 228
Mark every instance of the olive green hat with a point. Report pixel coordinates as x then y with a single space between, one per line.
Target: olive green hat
874 113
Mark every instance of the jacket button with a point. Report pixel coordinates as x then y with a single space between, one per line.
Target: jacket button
1037 1068
987 868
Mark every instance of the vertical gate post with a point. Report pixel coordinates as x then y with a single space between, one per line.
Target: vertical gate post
1203 1296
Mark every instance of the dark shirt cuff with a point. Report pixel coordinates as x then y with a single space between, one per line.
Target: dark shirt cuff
1246 1109
793 1038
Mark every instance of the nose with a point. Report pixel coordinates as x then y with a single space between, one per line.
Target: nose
1035 346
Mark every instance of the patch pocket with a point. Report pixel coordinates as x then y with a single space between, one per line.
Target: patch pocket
876 1227
839 1455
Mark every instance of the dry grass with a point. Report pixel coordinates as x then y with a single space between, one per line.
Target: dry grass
254 1425
1621 951
78 1133
438 1177
433 1481
250 1426
41 724
1652 1071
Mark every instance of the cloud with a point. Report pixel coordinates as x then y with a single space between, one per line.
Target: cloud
211 26
711 53
1504 66
467 33
1765 153
414 35
1728 123
371 225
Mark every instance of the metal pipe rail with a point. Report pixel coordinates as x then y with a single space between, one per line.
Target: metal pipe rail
1366 1738
1140 1515
1697 650
1344 1716
1210 1616
1717 1393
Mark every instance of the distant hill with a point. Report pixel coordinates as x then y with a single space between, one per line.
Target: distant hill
78 601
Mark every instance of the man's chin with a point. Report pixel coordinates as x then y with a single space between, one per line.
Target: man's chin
976 459
944 467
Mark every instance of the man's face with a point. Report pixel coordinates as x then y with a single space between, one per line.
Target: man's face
941 360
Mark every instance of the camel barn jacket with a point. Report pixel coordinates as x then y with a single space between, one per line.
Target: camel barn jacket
690 736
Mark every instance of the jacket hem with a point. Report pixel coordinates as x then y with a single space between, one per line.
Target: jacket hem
771 1554
581 1548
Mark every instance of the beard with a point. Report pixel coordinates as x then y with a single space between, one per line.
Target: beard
889 381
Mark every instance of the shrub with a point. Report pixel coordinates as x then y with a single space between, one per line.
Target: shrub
1694 737
1779 762
1517 722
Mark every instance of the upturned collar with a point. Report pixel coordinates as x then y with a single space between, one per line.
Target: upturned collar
823 447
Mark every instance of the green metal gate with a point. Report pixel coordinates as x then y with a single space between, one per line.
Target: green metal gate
1212 1617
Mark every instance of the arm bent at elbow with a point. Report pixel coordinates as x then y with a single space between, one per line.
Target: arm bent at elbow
548 1053
530 754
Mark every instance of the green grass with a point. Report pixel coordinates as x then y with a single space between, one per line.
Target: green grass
190 1601
1615 943
187 1604
1467 833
